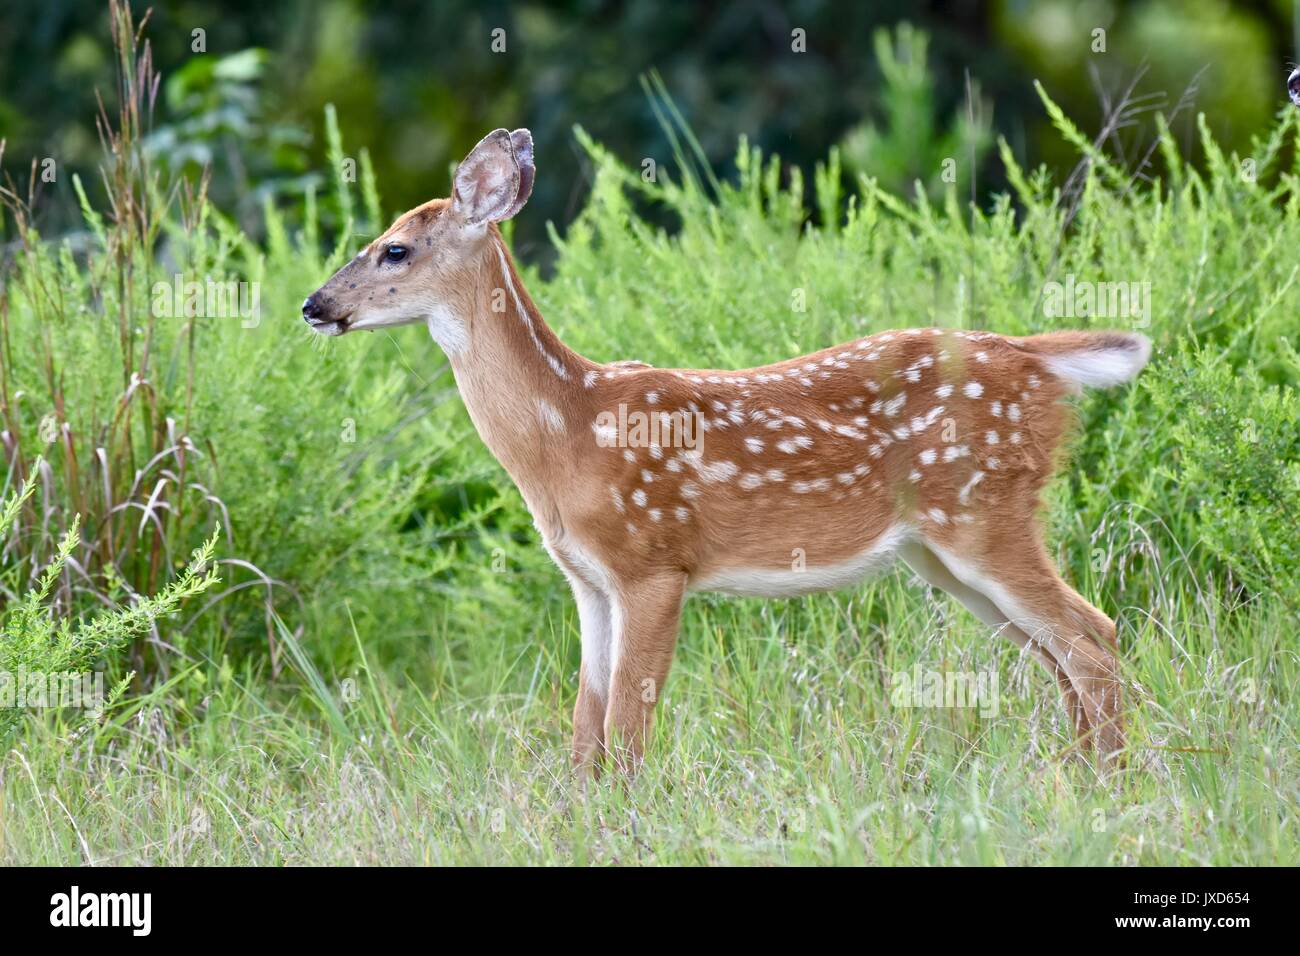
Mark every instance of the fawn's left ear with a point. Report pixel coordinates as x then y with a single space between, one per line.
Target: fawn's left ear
494 181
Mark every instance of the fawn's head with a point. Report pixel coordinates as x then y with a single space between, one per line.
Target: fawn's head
417 270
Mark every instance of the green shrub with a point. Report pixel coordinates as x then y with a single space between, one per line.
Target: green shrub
1235 459
41 646
160 422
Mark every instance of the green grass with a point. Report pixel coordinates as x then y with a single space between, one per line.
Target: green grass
777 744
403 693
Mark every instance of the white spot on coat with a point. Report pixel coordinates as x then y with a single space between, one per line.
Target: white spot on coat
717 470
964 495
550 417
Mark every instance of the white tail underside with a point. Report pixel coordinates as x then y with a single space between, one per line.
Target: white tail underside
1101 367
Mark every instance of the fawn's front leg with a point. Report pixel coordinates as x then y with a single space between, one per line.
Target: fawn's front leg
595 618
588 726
644 642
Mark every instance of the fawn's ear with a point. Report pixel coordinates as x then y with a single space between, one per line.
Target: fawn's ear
491 179
522 141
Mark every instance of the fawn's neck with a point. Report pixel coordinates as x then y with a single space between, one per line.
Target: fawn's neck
523 387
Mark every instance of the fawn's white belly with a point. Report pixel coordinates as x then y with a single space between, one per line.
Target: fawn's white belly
804 577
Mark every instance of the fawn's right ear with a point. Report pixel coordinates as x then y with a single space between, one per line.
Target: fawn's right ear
494 181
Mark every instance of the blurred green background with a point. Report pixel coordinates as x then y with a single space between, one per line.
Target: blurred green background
418 83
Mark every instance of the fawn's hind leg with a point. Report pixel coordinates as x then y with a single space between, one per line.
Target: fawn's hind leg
934 572
1014 572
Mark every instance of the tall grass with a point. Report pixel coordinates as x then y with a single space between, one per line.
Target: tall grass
430 648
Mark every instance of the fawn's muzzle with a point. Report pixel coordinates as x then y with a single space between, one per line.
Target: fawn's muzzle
1293 86
316 313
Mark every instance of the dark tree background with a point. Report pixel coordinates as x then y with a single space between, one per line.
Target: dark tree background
418 83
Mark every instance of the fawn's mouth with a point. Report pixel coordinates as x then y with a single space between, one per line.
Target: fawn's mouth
329 326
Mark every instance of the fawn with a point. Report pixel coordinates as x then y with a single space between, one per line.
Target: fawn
929 445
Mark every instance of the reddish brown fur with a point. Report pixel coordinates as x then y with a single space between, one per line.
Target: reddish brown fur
834 525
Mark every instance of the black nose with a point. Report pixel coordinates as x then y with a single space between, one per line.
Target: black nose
1293 86
311 308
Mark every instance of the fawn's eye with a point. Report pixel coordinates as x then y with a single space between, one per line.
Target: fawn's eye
395 253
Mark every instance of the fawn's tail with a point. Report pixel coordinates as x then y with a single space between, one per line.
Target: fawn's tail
1092 359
